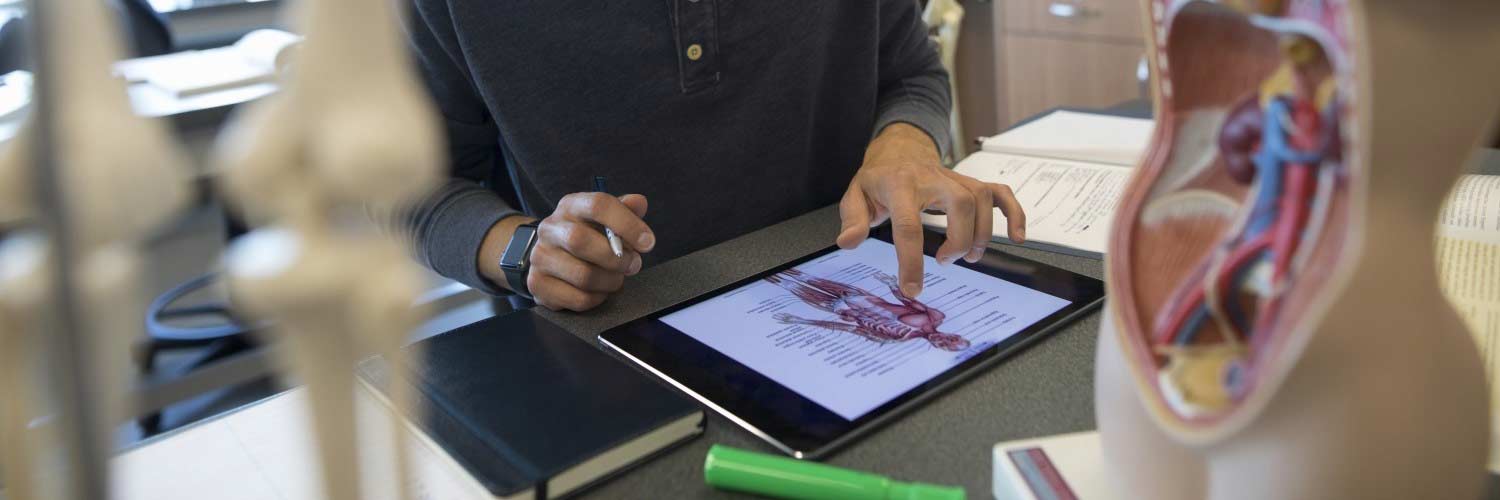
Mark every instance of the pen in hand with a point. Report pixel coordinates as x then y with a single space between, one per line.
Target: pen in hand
614 241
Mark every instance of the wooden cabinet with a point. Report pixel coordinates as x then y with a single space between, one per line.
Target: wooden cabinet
1054 53
1046 72
1114 19
1021 57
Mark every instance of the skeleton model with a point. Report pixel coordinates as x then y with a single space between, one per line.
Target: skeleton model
866 314
351 134
1275 328
81 210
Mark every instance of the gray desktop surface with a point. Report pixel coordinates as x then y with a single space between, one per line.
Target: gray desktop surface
1045 389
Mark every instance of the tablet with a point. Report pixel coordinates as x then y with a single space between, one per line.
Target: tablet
813 353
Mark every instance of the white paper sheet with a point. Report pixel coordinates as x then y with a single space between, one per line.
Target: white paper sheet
1068 204
254 59
1077 136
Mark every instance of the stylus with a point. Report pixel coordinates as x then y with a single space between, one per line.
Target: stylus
781 477
614 241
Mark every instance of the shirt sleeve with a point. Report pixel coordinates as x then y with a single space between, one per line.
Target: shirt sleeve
913 83
448 225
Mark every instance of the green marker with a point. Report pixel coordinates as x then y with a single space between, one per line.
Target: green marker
781 477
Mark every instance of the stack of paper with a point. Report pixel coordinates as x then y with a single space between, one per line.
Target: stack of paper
1068 170
255 58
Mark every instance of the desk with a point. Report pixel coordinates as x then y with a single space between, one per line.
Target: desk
1047 389
1044 390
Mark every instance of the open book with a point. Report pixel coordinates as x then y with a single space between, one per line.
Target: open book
1468 260
255 58
1067 170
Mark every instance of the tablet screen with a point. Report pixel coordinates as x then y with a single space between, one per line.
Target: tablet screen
837 331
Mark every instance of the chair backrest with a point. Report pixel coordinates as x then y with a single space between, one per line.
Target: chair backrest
13 47
147 28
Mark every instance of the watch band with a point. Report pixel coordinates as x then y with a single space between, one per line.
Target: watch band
516 261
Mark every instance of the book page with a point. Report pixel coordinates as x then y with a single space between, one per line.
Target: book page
836 332
1067 203
1070 135
1468 255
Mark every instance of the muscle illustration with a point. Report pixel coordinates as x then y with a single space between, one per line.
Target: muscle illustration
866 314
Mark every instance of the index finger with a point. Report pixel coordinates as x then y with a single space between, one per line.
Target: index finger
906 232
610 212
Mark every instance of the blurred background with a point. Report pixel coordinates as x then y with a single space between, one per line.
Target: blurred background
193 62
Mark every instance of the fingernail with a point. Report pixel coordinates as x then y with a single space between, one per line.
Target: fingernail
646 241
911 289
635 266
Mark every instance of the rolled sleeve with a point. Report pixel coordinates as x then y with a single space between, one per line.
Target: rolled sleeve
448 226
913 83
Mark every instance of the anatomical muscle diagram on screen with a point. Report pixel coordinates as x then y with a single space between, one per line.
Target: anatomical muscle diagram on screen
866 314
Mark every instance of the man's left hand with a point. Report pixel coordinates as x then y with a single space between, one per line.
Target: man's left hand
903 175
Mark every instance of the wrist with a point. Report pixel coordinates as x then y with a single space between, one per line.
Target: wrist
493 246
904 142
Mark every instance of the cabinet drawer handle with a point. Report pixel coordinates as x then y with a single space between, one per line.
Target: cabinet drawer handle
1067 10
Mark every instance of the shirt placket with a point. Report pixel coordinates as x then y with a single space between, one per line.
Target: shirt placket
696 22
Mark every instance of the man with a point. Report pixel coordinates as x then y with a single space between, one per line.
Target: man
728 115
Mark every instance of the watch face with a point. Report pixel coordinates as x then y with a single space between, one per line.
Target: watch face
515 251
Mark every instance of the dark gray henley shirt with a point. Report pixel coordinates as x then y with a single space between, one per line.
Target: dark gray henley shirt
728 115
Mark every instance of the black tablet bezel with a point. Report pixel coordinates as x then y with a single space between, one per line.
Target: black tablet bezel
799 426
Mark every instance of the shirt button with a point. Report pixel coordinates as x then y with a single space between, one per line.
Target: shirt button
695 52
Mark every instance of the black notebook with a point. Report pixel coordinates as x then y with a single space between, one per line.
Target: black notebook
531 411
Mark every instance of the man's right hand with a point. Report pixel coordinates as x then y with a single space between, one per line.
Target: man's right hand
572 266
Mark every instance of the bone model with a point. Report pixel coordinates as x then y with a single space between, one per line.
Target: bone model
351 134
112 191
866 314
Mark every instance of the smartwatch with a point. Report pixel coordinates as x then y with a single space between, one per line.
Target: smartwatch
516 261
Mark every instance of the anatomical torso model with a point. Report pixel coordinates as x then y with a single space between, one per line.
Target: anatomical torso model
1275 329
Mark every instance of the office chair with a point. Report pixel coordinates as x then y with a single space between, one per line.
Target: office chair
148 31
174 322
